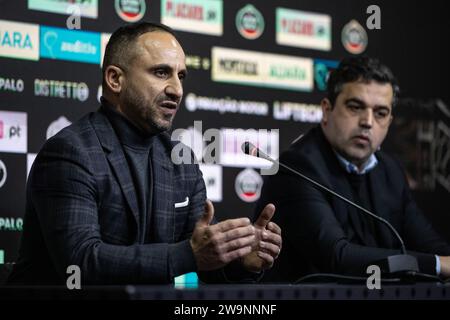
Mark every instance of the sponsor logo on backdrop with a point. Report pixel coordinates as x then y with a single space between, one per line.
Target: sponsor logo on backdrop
2 256
130 10
19 40
88 8
197 62
57 126
354 37
30 160
61 89
70 45
11 84
3 173
212 175
301 112
13 132
11 224
196 16
231 141
262 69
194 103
250 22
104 38
248 185
322 69
303 29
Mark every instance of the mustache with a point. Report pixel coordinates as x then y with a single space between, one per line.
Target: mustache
365 133
165 98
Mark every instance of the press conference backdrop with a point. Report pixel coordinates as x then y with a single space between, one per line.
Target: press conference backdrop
259 65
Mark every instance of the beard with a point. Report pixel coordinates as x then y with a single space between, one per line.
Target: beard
144 114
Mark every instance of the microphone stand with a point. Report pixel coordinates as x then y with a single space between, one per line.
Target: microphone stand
392 265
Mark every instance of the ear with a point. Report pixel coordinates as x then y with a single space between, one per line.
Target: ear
326 109
114 77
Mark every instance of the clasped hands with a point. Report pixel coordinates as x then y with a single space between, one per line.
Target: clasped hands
255 245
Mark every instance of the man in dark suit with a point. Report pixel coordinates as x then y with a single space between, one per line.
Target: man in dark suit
105 195
323 234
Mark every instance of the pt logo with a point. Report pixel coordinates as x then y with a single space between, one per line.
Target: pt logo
374 280
74 278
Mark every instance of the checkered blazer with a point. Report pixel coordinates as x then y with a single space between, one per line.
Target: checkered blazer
82 210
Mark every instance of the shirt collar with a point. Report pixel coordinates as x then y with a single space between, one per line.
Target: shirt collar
351 168
128 133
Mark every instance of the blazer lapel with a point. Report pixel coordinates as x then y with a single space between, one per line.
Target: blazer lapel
120 167
116 159
163 211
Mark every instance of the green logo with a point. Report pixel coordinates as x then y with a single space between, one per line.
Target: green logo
250 22
287 73
11 224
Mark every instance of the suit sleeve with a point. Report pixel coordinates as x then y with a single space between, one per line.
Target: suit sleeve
65 197
419 234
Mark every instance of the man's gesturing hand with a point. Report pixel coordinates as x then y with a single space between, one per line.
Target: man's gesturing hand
267 244
216 245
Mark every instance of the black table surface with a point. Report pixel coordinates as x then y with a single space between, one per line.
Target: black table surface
310 291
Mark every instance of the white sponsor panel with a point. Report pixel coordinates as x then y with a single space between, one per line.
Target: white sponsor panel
262 69
30 160
196 16
19 40
231 141
13 132
85 8
303 29
212 175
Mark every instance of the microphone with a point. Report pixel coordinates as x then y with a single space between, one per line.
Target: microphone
393 264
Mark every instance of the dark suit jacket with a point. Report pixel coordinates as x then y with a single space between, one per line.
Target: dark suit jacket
82 210
321 233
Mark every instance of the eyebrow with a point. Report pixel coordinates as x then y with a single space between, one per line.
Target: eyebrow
168 67
359 101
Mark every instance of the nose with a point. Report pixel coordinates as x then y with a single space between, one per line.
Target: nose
366 119
174 88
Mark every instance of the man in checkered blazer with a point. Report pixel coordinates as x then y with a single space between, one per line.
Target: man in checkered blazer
105 195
